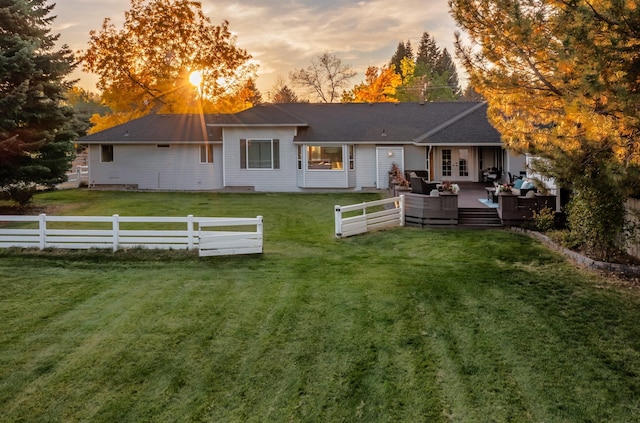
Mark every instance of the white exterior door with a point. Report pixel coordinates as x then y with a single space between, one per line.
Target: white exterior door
385 157
455 164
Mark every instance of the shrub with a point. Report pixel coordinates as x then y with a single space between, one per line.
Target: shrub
544 220
21 194
596 218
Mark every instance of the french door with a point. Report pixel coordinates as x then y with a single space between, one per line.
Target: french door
455 164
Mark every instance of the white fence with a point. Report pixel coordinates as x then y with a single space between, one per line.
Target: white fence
217 243
80 175
84 232
392 214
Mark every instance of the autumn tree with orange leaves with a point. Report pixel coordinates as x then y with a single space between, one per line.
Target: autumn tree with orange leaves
562 80
379 86
145 66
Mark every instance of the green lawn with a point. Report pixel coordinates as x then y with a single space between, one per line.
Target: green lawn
405 325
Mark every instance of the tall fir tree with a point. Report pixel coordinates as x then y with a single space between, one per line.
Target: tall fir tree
251 94
284 94
396 60
37 129
428 54
433 75
562 80
448 74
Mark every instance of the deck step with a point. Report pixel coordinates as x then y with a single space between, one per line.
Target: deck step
478 218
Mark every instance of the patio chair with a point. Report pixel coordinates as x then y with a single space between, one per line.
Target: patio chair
416 185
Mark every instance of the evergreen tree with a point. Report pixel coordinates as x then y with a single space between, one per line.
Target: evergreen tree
562 80
85 104
284 94
396 60
408 50
37 129
250 93
428 55
448 74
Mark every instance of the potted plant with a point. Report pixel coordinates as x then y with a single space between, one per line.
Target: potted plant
397 177
449 188
504 189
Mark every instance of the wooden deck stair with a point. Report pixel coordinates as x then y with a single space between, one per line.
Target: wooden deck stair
478 218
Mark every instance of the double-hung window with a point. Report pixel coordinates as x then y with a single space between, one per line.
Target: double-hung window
206 153
260 154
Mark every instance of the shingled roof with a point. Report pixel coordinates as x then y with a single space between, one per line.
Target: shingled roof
159 129
389 123
424 124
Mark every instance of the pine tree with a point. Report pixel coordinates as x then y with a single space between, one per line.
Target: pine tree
396 60
562 81
428 55
250 93
284 94
408 50
448 74
37 129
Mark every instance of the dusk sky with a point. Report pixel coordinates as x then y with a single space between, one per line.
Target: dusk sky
285 35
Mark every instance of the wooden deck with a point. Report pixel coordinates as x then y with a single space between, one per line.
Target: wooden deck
470 193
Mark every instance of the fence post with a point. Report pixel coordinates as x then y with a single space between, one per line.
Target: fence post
259 229
338 224
78 176
364 214
42 228
116 231
402 210
190 241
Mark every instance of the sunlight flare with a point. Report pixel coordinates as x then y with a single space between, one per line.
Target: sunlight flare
195 78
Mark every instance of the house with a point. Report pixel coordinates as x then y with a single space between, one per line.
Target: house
299 147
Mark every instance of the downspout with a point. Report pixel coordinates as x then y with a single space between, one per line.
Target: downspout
429 161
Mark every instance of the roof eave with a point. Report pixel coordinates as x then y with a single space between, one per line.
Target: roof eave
261 125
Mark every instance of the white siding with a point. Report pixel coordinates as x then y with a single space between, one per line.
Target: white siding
176 167
415 158
270 180
326 179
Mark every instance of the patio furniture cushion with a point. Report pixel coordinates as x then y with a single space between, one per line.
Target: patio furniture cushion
518 183
527 184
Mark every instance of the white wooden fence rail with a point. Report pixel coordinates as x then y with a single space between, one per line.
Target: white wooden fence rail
81 174
217 243
78 233
391 215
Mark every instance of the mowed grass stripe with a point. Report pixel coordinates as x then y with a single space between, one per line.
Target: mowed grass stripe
400 325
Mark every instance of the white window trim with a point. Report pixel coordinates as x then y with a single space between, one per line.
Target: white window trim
208 151
343 147
112 153
272 141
